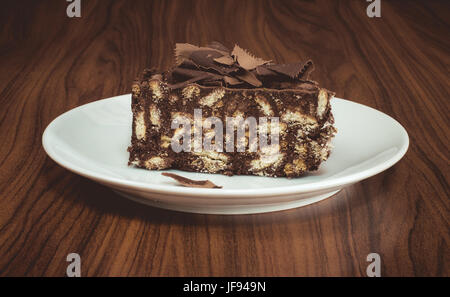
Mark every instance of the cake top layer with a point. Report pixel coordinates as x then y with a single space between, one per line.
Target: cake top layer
216 65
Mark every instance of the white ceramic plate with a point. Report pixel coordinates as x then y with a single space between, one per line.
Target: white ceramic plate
92 141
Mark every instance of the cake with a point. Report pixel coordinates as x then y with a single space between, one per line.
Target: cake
216 109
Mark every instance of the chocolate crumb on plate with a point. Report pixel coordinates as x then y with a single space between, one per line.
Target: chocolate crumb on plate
186 182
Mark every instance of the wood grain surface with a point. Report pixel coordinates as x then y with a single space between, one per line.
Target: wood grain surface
398 64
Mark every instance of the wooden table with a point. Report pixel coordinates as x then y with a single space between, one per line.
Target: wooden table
398 64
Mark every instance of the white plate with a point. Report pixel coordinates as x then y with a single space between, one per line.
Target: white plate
92 141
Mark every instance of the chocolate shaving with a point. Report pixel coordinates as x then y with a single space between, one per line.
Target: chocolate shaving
191 73
218 46
183 51
249 78
245 59
190 81
205 59
263 71
226 60
186 182
215 65
291 70
231 80
308 68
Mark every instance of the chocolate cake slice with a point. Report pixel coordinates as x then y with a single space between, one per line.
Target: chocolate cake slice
195 117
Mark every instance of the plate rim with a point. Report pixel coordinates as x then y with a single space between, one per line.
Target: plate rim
242 193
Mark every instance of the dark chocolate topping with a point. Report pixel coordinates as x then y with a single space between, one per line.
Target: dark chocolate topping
216 65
